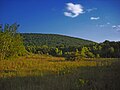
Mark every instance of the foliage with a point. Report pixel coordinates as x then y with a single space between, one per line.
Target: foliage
11 44
53 40
65 46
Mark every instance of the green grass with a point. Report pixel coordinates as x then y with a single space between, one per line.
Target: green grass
53 73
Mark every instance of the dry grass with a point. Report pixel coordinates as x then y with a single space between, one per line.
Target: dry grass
54 73
38 65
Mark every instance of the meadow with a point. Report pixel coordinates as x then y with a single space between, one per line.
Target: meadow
42 72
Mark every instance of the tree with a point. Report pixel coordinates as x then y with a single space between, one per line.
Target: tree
85 52
11 44
60 52
56 51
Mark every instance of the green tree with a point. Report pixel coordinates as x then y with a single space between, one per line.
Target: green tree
11 44
56 51
60 53
85 52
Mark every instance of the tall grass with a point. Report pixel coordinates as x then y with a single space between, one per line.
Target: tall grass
52 73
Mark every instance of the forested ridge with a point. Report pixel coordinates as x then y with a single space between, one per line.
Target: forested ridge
53 40
69 47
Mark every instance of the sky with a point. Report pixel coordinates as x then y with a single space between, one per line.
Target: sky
96 20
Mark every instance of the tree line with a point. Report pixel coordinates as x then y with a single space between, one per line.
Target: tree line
12 44
52 40
106 49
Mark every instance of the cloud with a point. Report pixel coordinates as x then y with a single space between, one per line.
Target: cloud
95 18
92 9
73 10
116 27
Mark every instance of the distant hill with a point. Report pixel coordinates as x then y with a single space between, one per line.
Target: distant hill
53 40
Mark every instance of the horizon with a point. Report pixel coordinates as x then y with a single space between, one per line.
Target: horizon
86 19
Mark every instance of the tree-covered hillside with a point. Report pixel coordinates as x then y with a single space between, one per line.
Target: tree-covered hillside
69 47
52 40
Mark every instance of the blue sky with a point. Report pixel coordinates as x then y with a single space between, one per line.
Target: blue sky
95 20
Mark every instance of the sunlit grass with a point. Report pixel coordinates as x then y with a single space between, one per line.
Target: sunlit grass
40 65
41 72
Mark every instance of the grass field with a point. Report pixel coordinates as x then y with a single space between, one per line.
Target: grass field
54 73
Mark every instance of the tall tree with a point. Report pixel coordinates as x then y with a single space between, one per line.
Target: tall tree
11 43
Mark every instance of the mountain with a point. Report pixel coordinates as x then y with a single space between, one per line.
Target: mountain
53 40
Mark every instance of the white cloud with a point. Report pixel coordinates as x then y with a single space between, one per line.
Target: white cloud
95 18
73 10
67 14
114 26
92 9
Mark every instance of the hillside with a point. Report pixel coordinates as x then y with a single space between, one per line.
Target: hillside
53 40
